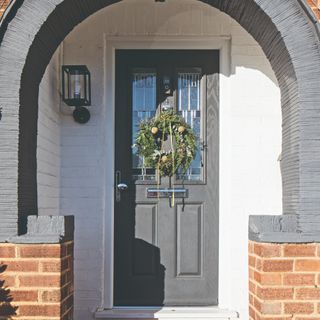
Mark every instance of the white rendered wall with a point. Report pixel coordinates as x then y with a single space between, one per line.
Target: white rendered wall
48 148
250 141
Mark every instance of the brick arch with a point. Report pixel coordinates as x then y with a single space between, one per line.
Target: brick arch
281 27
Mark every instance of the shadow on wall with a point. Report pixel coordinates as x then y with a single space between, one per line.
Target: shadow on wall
7 310
169 19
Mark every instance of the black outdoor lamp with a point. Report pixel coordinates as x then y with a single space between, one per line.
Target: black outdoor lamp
76 90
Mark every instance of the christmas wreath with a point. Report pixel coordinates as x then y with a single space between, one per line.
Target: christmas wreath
166 143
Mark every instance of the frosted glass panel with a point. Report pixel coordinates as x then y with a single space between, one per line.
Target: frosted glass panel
144 101
189 106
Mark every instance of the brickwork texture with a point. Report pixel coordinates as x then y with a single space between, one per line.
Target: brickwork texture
36 281
3 5
315 6
284 281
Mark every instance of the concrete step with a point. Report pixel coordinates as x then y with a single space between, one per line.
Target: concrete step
167 313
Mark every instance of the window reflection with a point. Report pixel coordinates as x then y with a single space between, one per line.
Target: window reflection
144 105
189 107
144 101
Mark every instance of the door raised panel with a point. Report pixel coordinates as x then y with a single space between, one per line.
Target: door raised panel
145 251
189 239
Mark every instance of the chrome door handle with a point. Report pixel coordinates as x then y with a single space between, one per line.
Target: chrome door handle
119 186
122 187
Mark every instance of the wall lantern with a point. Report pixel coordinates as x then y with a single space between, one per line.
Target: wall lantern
76 90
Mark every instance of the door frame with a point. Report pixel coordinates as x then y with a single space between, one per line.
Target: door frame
111 44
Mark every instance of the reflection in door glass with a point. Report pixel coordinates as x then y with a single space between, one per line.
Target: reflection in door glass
144 100
189 107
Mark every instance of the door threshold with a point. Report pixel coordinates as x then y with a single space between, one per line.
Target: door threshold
168 313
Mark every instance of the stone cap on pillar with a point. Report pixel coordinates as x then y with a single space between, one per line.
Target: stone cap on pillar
47 229
279 229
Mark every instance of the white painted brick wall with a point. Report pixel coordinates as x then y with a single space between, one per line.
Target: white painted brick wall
255 145
251 143
48 148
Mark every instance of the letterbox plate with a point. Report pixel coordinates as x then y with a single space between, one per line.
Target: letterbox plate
167 192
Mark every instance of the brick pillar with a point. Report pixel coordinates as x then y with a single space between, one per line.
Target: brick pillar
36 281
284 281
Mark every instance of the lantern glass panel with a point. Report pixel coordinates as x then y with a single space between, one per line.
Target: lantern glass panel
76 85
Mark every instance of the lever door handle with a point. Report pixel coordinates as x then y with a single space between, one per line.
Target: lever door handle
122 186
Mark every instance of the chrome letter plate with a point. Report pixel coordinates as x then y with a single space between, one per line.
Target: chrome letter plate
167 193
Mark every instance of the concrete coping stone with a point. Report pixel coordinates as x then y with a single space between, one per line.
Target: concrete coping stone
278 229
46 229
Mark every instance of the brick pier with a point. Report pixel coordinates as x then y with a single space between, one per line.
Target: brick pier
36 281
284 281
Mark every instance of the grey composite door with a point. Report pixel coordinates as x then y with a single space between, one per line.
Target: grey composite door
166 253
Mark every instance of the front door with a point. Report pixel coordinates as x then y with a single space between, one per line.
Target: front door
166 253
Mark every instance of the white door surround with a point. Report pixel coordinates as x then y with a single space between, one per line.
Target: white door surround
111 44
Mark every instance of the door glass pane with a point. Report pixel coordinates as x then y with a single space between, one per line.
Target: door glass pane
144 100
189 107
